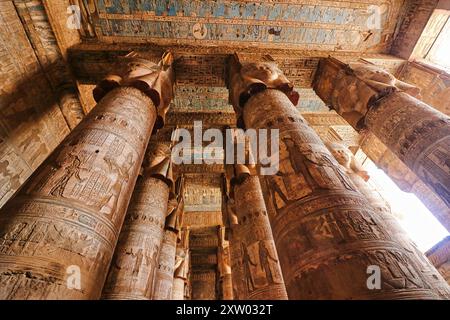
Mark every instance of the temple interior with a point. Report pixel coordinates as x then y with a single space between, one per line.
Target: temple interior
99 201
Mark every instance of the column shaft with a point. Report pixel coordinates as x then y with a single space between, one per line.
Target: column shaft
224 266
418 134
135 261
178 289
258 258
60 231
164 273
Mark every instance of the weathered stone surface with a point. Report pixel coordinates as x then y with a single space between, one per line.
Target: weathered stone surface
132 272
31 122
154 78
413 21
368 97
225 282
166 264
325 231
404 177
434 84
72 209
439 255
182 266
256 258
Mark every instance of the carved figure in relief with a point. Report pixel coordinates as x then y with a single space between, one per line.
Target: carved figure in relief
72 168
30 145
247 262
123 176
8 179
249 78
264 259
396 270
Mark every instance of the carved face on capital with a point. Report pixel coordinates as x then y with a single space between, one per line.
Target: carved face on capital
249 78
266 72
341 154
157 153
154 79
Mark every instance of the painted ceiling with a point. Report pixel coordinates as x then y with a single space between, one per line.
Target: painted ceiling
312 25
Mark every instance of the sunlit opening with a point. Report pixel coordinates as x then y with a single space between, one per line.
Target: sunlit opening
440 51
421 225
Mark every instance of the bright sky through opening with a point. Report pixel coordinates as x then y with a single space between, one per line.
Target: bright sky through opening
424 229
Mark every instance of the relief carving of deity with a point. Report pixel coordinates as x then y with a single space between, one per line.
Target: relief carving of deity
249 78
356 87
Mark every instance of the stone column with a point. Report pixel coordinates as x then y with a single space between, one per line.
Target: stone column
360 179
224 266
327 235
371 98
439 255
257 254
166 264
403 177
132 272
181 267
71 107
58 235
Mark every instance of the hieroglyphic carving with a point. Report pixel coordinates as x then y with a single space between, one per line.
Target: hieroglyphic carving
352 89
204 285
325 232
434 84
224 266
439 255
418 135
360 178
182 266
72 209
31 122
154 79
132 272
326 25
403 177
369 97
252 237
50 57
166 264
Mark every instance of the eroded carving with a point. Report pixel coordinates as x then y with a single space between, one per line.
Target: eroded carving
154 79
248 78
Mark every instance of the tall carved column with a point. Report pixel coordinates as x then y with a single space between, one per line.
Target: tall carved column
166 264
258 256
360 177
439 255
326 233
132 272
224 266
403 177
369 97
181 267
58 235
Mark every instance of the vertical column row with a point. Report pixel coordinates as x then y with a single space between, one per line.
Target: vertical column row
326 233
58 235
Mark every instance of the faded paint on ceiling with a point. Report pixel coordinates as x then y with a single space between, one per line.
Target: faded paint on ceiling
324 25
215 99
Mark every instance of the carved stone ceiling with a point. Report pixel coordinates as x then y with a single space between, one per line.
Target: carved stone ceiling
285 24
202 34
